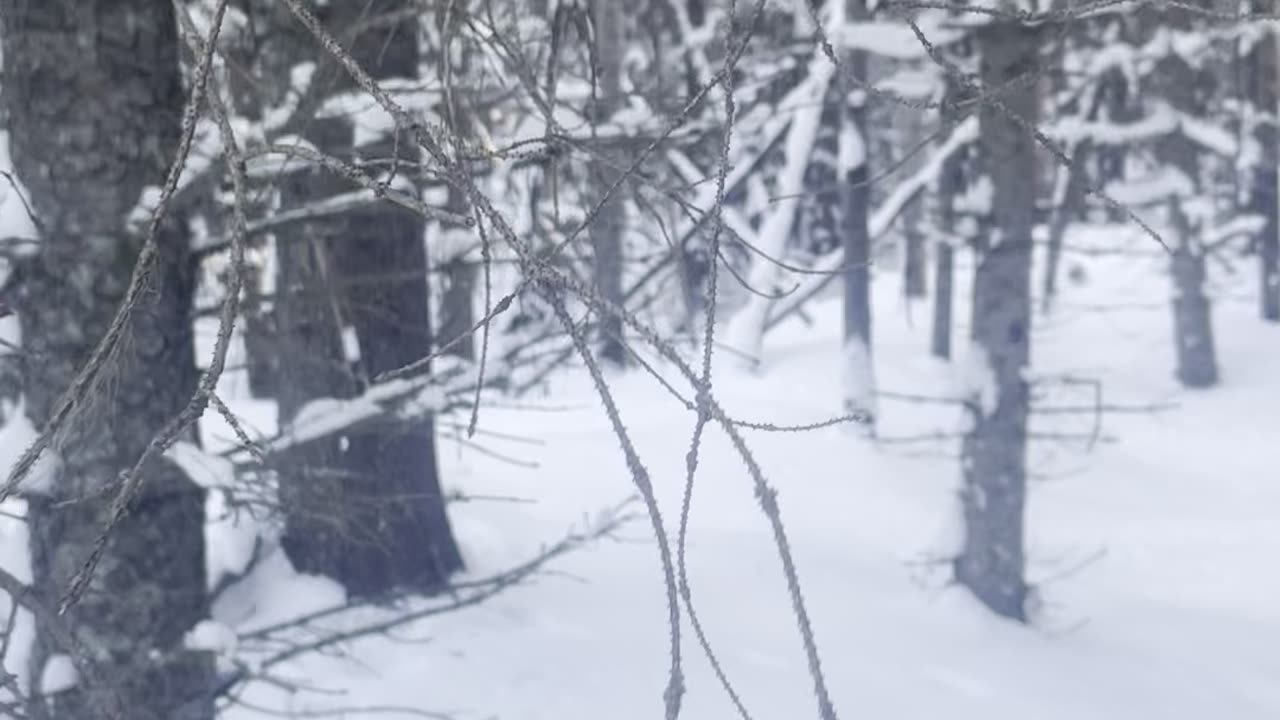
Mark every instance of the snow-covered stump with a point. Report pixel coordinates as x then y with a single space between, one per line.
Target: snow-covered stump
993 495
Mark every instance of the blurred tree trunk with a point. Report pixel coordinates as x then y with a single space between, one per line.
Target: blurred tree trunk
1192 317
458 261
945 240
607 232
944 279
94 99
1262 62
914 263
1187 89
365 508
990 563
858 364
1069 207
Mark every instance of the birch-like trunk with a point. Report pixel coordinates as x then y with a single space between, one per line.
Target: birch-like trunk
991 560
94 97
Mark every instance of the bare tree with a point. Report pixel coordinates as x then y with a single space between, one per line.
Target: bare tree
93 94
365 507
457 265
859 385
994 451
608 18
1185 89
1263 79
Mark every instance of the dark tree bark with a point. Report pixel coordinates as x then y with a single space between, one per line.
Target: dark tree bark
366 508
608 18
94 98
1263 79
990 563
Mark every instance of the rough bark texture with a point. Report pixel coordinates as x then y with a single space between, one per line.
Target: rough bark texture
1264 78
94 100
609 20
994 452
365 508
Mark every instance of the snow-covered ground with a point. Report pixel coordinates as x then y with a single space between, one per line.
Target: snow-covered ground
1154 550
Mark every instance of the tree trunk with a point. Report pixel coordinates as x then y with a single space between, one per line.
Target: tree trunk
914 263
94 99
1192 320
609 18
994 451
859 369
1185 87
914 273
943 280
1264 79
366 508
1072 200
458 261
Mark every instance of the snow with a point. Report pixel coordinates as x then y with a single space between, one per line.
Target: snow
15 220
859 377
977 380
853 149
1153 555
1161 184
213 637
895 39
59 675
209 471
747 326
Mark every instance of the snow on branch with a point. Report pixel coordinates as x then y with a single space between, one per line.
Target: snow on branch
746 328
827 267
